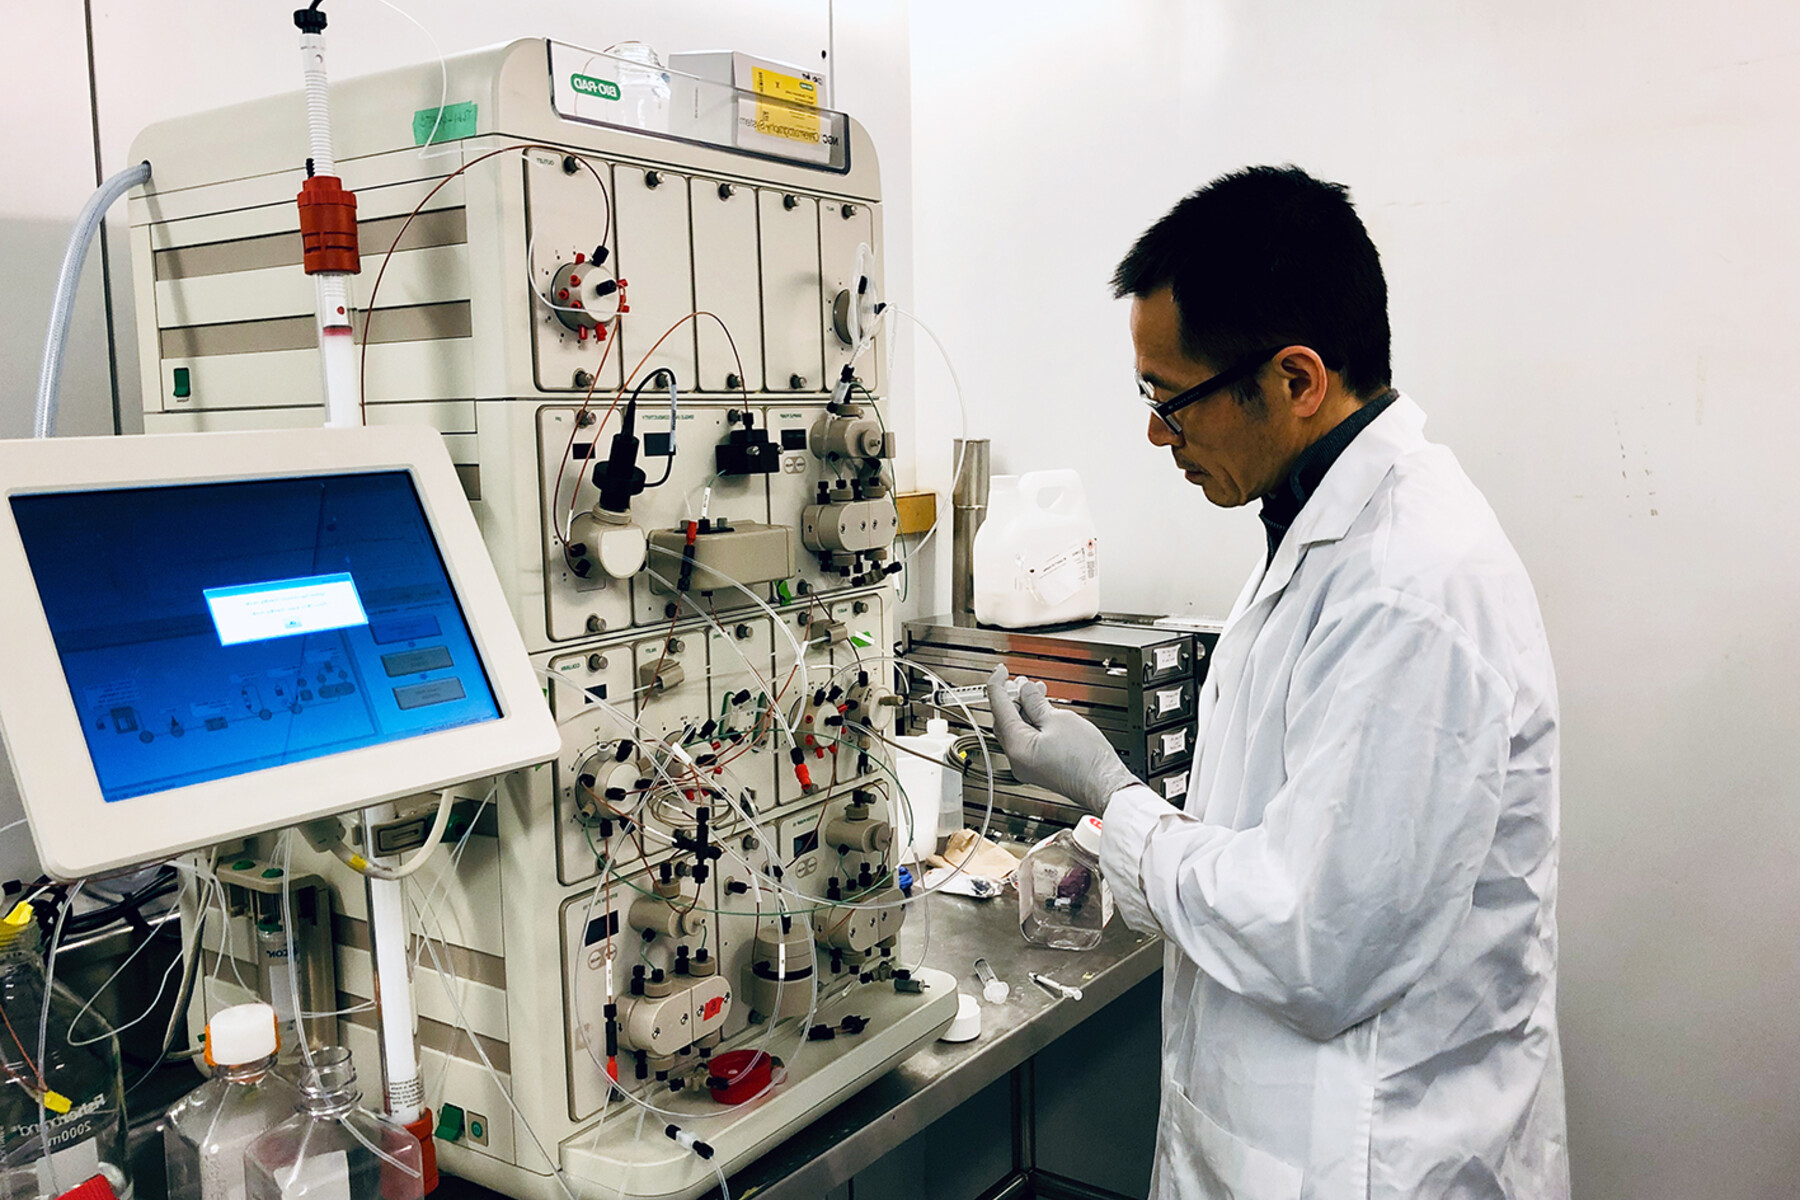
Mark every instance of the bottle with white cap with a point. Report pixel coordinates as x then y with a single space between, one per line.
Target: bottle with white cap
209 1129
1063 901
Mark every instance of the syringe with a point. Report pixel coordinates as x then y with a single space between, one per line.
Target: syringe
975 694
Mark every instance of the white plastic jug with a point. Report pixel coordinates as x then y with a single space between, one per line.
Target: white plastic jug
1034 555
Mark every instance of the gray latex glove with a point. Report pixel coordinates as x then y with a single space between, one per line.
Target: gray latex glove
1055 749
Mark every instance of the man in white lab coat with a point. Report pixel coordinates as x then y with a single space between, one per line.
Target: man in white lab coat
1359 897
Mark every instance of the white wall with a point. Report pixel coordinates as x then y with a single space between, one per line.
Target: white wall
1586 216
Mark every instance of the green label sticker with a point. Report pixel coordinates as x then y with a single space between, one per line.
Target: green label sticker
587 85
456 121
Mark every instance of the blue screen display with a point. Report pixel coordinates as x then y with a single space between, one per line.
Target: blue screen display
210 630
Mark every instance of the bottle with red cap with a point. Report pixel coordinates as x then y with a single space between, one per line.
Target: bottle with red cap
71 1097
1063 902
209 1129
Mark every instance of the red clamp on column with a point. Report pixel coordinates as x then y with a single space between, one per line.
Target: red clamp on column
328 226
423 1129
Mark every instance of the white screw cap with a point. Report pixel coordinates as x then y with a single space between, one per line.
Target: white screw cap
243 1033
1087 835
966 1025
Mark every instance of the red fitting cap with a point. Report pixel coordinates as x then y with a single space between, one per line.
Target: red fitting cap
94 1187
328 226
739 1075
421 1129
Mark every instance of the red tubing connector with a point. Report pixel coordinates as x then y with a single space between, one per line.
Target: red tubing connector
328 226
423 1129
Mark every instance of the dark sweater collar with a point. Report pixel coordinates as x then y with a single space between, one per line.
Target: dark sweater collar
1281 507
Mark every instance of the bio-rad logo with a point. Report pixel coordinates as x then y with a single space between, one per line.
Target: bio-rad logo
587 85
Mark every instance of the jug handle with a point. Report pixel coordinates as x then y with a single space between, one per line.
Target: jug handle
1065 482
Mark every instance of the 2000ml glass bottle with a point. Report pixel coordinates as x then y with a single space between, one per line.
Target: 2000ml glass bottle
333 1149
1063 901
79 1082
210 1128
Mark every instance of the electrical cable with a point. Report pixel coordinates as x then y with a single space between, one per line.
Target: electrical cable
362 866
68 280
674 424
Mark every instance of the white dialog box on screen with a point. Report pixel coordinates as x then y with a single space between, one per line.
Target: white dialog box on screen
253 612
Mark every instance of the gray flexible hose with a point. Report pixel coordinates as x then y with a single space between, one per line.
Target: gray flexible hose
43 422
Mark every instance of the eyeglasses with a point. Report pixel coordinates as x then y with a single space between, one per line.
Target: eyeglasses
1237 372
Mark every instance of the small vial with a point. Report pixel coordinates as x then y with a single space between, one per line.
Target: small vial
993 987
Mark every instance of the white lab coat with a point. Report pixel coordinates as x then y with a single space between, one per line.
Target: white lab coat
1359 995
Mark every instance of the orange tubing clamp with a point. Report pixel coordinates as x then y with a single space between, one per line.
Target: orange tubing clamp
328 226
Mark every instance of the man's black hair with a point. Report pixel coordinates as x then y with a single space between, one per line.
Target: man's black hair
1266 257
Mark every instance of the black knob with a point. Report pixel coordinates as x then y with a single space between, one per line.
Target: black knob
733 383
790 202
796 382
727 191
583 379
653 179
849 211
570 165
582 567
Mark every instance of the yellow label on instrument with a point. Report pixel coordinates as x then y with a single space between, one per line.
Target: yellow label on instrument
57 1103
779 120
791 88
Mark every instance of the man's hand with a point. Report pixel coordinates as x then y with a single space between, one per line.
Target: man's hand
1054 749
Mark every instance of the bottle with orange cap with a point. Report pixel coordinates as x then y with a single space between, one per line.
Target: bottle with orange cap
208 1129
69 1095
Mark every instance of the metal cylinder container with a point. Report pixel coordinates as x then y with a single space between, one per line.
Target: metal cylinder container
969 499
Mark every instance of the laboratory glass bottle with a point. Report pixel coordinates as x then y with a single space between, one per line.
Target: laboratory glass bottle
79 1082
333 1149
210 1128
1063 901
